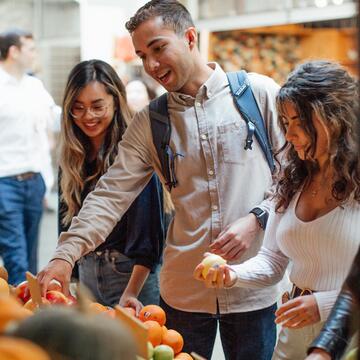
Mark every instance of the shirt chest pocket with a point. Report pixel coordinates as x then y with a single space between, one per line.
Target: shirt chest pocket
231 142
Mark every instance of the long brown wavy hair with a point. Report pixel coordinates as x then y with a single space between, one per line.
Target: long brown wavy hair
324 89
75 145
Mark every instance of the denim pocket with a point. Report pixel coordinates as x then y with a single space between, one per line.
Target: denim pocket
120 264
232 139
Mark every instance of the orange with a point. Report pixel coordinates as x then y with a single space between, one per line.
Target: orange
20 349
97 308
164 330
174 340
154 332
183 356
11 310
153 312
4 287
111 313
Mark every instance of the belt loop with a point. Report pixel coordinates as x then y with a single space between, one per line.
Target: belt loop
292 293
107 255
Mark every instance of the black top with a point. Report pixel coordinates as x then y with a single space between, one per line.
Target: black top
140 233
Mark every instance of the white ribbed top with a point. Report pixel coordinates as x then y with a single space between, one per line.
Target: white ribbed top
320 252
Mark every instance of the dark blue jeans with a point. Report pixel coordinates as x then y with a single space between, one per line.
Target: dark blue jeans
244 336
21 207
107 274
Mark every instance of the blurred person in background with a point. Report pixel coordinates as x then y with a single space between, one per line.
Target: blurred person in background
137 95
25 109
95 116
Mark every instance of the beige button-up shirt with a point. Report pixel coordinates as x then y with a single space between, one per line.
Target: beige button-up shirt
219 182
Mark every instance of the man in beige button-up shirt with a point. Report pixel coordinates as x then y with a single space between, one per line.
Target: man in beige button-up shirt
218 184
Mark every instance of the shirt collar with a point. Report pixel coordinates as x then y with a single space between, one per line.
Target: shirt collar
214 84
7 79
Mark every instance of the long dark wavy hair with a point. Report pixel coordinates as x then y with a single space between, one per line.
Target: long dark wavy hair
326 90
75 145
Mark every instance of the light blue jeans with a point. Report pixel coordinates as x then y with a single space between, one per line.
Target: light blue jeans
107 273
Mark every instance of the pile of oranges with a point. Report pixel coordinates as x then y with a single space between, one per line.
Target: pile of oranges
154 318
17 305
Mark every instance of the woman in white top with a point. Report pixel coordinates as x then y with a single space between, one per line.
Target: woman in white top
315 222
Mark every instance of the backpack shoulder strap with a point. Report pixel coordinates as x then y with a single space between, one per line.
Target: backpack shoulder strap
161 132
249 109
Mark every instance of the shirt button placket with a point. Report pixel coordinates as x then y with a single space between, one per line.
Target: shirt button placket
206 139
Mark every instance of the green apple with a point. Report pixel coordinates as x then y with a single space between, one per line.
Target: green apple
150 350
163 352
210 261
351 355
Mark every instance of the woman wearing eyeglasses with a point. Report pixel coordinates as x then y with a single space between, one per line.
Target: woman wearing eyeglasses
95 115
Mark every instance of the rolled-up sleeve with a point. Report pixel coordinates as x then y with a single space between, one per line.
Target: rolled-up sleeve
145 226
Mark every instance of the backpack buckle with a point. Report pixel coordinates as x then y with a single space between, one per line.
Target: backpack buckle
171 161
248 143
249 138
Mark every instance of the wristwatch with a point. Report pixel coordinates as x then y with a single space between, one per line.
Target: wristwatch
261 216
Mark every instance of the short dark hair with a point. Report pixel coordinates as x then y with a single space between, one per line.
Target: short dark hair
173 14
10 38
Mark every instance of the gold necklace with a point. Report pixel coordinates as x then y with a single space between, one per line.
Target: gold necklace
314 192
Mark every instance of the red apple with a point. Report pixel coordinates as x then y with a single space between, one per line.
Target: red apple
22 292
56 297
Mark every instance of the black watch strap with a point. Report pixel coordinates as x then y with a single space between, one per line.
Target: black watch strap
261 216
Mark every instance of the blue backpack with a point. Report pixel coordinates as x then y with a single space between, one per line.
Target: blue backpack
247 106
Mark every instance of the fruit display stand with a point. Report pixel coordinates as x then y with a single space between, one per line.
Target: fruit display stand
137 328
34 288
153 339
